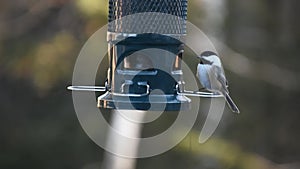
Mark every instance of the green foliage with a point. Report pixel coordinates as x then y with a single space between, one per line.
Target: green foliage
39 43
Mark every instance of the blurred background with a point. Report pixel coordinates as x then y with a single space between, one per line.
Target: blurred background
259 41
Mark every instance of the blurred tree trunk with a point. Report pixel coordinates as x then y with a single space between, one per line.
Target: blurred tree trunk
214 17
288 22
246 26
285 34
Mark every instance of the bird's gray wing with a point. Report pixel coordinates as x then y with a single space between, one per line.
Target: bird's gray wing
220 76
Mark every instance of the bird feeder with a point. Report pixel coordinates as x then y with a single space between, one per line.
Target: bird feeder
134 74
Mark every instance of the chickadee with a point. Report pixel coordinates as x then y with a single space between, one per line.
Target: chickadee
211 76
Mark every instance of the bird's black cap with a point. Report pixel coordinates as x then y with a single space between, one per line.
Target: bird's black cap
208 53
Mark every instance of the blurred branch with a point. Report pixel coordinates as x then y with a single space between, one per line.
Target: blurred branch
265 71
290 166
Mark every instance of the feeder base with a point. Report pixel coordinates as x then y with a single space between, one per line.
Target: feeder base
151 102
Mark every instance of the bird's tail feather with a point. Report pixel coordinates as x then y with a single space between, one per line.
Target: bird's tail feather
231 104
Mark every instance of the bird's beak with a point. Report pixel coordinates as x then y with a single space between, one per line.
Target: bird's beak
200 59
